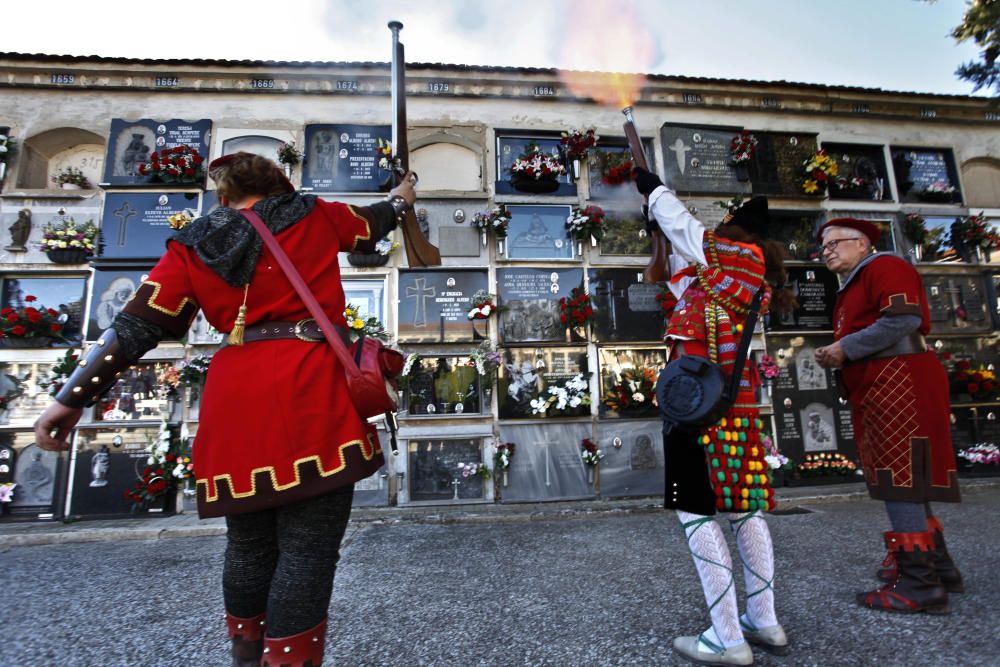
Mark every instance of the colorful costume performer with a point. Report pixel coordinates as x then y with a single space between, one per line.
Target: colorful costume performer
280 444
898 392
722 467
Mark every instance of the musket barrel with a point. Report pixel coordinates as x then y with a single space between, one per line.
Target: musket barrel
395 27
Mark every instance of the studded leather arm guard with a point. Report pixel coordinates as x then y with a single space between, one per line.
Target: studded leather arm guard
95 372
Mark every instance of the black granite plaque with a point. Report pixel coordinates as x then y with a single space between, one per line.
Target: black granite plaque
131 142
510 147
112 290
918 168
134 224
435 467
963 428
815 289
539 232
697 158
531 301
625 309
796 230
345 158
957 303
861 172
776 168
64 294
111 464
626 235
809 413
434 306
527 374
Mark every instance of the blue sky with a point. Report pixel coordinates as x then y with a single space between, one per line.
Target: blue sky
900 45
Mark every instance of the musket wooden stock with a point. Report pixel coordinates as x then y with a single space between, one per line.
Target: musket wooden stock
657 270
419 251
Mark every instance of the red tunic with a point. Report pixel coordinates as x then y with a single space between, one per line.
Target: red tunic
709 319
900 404
276 422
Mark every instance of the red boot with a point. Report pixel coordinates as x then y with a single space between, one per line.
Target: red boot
917 587
247 635
943 564
302 650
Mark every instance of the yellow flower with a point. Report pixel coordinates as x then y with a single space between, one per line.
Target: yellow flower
810 186
358 323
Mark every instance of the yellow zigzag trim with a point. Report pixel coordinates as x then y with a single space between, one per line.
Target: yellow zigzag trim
368 230
367 453
156 292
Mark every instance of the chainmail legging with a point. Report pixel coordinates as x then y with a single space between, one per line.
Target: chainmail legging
282 561
753 539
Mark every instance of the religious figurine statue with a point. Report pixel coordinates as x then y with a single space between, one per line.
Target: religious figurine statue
99 467
20 231
135 154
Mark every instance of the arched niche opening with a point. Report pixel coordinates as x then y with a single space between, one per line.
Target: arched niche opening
981 182
444 165
43 155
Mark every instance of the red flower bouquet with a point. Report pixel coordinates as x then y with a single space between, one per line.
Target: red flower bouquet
973 384
180 164
30 322
576 310
576 143
742 147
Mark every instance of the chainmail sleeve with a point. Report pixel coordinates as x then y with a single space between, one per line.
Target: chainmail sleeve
136 335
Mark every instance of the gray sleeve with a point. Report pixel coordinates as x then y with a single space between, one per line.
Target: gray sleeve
884 332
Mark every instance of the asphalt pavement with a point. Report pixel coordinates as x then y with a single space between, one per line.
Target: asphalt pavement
585 583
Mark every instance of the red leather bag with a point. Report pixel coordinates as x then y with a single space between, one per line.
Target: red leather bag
370 366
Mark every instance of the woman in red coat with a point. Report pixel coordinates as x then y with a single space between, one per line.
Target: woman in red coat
280 444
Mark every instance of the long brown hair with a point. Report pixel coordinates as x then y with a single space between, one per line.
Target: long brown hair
782 298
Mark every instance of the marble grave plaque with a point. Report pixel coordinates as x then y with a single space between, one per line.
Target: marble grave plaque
134 224
815 289
131 142
531 298
345 158
434 306
698 159
625 309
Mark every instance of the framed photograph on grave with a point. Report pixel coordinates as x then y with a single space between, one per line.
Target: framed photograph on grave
861 172
510 146
137 395
134 224
436 469
109 461
628 382
609 170
345 158
434 306
131 142
776 167
442 386
625 308
539 232
64 293
815 288
957 302
697 159
809 413
526 376
625 236
113 287
530 301
926 175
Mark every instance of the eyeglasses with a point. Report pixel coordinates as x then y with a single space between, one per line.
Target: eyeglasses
831 246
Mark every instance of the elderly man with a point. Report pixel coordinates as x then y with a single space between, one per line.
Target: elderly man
899 394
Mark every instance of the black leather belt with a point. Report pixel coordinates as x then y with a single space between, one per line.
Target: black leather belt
911 344
307 330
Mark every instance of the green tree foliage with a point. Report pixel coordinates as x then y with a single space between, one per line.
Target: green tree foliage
981 23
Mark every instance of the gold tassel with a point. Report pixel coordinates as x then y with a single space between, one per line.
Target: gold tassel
239 326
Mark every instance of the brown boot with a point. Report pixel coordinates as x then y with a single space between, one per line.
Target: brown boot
247 635
917 588
302 650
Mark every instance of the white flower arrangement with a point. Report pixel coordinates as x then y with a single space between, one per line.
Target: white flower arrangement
986 453
940 187
536 165
573 393
385 246
591 458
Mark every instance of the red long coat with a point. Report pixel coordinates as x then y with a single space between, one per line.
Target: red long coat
900 404
276 422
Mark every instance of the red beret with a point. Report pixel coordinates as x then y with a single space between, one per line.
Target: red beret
226 159
867 228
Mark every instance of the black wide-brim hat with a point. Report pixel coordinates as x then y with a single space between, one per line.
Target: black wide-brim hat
867 228
226 159
752 216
